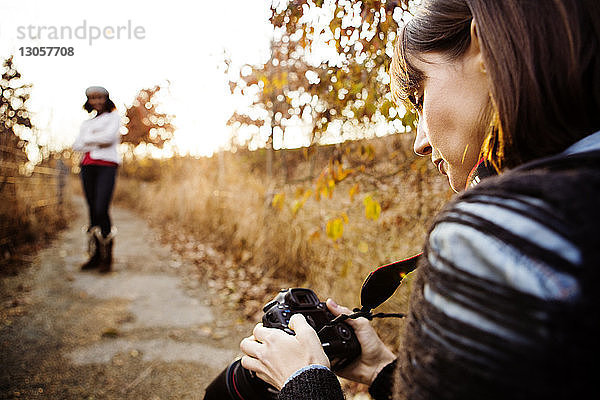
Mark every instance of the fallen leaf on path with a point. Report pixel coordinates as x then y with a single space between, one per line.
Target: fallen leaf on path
110 333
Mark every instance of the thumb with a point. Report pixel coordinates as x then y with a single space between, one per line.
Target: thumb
304 332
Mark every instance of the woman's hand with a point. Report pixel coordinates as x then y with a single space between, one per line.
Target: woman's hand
374 353
275 355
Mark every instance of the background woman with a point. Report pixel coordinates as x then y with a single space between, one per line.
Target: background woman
505 303
98 139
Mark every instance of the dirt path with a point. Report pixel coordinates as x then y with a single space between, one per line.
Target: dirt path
144 331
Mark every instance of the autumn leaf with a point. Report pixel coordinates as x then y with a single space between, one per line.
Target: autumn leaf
298 204
353 191
372 208
335 228
315 235
342 173
330 186
345 217
345 268
278 201
325 191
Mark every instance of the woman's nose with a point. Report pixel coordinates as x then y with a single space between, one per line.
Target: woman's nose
422 146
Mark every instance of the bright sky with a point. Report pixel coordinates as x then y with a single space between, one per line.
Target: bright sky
183 42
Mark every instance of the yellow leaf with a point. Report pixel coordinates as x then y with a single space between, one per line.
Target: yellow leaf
315 235
345 268
335 229
297 206
345 217
372 208
331 184
278 201
363 247
353 191
325 191
337 171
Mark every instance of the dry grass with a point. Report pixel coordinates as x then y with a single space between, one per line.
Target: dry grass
268 248
30 214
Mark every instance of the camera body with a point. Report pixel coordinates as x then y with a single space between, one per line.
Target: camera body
338 340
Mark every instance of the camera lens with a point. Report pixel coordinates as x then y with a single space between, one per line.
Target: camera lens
238 383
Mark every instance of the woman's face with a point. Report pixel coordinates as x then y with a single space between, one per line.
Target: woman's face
453 99
97 101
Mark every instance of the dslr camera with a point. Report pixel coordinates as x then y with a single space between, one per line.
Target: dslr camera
338 340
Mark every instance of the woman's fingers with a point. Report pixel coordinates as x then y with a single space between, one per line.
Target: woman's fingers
275 355
252 360
358 324
251 347
259 368
263 334
252 363
308 339
374 353
305 334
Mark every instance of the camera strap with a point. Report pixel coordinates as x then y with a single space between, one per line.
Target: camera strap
365 314
379 286
381 283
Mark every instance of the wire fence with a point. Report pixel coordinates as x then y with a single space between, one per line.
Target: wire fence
32 197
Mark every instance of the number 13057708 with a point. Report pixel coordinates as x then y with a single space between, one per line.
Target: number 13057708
46 51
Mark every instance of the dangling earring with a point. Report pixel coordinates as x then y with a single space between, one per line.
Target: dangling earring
482 68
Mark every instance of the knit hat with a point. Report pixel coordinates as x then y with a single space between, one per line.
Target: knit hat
96 89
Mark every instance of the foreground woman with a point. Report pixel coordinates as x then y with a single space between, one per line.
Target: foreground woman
505 303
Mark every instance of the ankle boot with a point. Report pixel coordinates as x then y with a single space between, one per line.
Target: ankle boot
106 248
93 250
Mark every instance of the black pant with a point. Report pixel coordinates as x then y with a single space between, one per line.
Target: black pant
98 185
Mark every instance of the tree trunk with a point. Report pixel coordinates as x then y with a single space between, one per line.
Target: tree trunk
314 160
284 163
270 156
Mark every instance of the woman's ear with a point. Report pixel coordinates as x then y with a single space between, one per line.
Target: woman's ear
475 48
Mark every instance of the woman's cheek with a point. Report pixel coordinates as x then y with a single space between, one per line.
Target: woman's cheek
440 126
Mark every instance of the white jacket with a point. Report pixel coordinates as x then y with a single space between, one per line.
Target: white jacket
100 136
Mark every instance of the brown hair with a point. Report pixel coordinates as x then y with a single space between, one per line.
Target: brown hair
109 106
543 60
